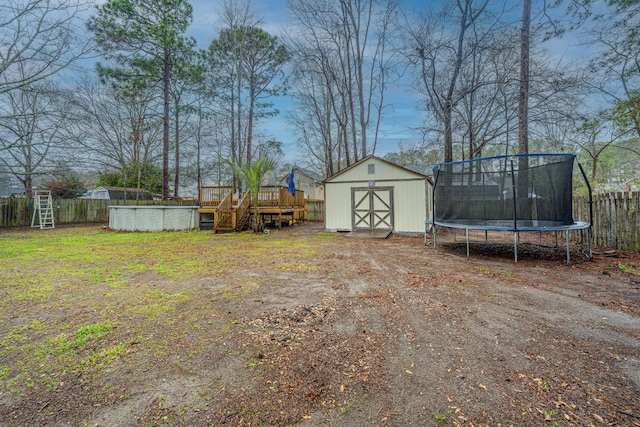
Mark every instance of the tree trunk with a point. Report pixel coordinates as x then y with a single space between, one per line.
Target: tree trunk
165 125
524 205
176 184
448 135
523 98
250 122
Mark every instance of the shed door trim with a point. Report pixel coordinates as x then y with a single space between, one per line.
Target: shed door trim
372 208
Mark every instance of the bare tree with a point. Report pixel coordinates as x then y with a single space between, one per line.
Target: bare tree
112 130
616 66
39 38
317 122
486 115
31 123
439 55
341 50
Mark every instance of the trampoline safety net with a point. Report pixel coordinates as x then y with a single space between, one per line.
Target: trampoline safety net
516 191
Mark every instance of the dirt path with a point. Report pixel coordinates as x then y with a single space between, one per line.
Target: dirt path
485 341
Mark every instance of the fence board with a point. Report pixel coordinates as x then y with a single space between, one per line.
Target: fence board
315 209
18 212
615 219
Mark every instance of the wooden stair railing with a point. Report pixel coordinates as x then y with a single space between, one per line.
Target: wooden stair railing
242 213
224 213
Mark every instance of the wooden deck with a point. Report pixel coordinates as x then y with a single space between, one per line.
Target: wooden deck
220 211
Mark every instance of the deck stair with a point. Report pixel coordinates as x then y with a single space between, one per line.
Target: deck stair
243 212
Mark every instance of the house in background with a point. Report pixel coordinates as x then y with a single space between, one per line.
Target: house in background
12 193
377 195
118 193
307 181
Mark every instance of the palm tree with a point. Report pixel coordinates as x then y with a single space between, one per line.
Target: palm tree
251 174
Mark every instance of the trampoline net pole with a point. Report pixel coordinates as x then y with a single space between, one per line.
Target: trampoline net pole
515 214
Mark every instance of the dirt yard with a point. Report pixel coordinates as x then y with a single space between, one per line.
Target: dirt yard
357 332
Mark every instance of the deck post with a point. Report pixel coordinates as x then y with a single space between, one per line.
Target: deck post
234 219
216 218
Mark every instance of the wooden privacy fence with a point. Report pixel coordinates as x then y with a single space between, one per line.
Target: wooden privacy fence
315 209
615 219
18 212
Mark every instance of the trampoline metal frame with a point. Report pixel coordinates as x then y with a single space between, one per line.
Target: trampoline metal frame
577 225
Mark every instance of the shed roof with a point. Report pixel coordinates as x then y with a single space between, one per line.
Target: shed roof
401 169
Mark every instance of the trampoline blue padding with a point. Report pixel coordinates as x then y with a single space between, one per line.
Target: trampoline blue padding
533 225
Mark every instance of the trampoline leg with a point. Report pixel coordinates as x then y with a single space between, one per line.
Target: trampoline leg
567 234
467 233
434 237
515 246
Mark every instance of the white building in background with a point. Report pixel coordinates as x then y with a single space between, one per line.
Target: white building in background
307 181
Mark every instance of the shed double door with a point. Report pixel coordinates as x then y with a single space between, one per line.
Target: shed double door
372 208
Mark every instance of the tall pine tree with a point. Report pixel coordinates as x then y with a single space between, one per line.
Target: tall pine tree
142 39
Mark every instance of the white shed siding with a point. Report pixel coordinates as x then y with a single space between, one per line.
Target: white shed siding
409 208
410 195
337 205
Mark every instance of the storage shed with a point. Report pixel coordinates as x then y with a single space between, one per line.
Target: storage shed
375 194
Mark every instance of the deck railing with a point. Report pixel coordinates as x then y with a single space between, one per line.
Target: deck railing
288 199
278 196
213 196
268 196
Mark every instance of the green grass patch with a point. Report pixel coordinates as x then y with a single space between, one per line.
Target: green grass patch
90 333
4 372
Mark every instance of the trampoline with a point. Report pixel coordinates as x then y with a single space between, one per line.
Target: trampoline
518 193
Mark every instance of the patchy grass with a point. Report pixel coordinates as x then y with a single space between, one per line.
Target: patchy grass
79 301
